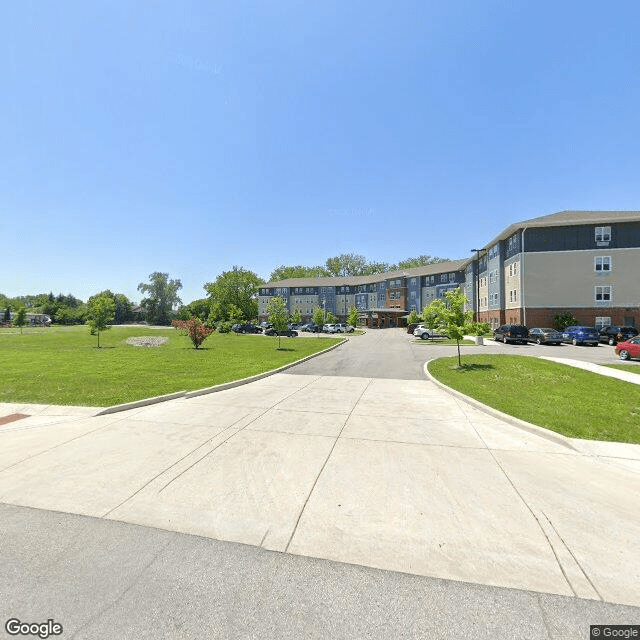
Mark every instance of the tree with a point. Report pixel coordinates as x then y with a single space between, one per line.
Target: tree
237 287
354 317
20 319
318 316
418 261
195 330
563 320
299 271
413 318
278 315
124 308
296 316
347 264
432 313
101 311
7 315
452 318
200 308
162 297
330 319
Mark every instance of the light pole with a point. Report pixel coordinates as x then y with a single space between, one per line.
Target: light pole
478 283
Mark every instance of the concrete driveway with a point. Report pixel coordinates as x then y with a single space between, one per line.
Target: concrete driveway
387 473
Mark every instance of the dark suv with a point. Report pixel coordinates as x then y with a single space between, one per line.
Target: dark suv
511 333
615 333
246 328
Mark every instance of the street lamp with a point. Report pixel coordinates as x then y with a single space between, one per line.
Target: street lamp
478 283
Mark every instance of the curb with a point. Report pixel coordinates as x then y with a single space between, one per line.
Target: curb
516 422
140 403
219 387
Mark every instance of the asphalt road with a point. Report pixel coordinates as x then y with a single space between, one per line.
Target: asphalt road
392 353
101 579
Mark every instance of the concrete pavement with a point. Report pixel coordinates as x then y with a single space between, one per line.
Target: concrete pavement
391 474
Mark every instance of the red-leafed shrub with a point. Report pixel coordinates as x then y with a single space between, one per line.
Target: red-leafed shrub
195 330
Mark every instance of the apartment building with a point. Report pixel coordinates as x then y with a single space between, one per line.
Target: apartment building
583 262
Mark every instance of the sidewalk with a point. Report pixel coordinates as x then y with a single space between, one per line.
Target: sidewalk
627 376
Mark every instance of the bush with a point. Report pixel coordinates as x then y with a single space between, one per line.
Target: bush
223 326
563 320
195 330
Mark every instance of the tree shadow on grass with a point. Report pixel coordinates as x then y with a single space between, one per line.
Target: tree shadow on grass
284 349
473 367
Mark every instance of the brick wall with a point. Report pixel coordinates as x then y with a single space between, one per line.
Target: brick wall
541 317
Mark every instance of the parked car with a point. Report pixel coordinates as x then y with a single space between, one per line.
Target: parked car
246 328
629 348
581 335
265 325
544 335
294 326
329 328
615 333
424 333
511 333
342 327
288 333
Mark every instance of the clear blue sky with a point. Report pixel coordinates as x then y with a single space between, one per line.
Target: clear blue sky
188 137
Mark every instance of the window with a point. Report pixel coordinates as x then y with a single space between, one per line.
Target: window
443 277
603 294
603 234
413 281
452 277
602 321
602 263
510 296
413 295
515 295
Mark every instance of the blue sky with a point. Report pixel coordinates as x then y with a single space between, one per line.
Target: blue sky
190 137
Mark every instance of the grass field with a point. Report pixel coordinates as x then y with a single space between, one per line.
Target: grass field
61 365
570 401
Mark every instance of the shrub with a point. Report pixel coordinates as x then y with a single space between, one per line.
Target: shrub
223 326
195 330
563 320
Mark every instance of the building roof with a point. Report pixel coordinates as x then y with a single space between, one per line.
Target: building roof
566 219
426 270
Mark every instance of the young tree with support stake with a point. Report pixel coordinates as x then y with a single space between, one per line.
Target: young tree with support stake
102 311
453 319
278 315
354 317
20 319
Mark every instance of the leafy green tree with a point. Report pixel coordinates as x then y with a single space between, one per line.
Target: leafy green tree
238 287
563 320
278 315
7 314
347 264
101 311
413 318
162 297
330 318
452 318
432 314
418 261
200 308
296 316
234 314
354 316
299 271
318 316
20 318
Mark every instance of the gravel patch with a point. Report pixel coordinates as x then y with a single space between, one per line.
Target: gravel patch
146 341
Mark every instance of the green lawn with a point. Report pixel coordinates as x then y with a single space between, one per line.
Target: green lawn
573 402
61 365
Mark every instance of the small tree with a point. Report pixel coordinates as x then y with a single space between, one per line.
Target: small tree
7 315
480 328
563 320
453 319
432 314
296 316
20 319
278 315
413 317
318 317
354 317
330 318
197 331
101 311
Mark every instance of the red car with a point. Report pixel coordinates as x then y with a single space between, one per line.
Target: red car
629 349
